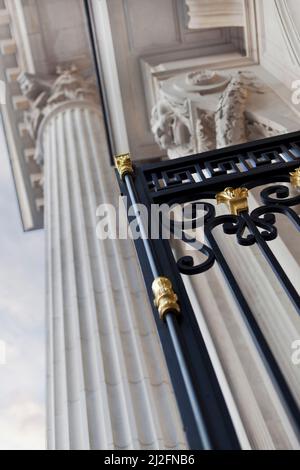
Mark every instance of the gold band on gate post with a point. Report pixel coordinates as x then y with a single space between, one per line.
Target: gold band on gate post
235 199
124 165
165 298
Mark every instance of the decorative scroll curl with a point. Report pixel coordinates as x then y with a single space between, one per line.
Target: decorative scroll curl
187 264
257 226
281 195
236 225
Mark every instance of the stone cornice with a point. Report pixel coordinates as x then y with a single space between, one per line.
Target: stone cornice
20 22
215 13
15 56
15 11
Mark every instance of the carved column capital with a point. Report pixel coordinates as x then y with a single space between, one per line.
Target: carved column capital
204 110
46 93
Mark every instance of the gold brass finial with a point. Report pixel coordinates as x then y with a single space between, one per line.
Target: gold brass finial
124 165
295 178
236 199
165 298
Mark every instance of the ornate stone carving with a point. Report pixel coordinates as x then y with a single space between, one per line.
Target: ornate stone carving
207 81
230 119
205 131
171 128
70 85
204 110
260 130
233 126
37 90
44 93
174 125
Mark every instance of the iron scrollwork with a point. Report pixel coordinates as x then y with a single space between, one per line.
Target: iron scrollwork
198 179
186 264
256 227
263 218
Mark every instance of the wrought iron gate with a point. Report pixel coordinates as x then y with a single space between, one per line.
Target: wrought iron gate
225 175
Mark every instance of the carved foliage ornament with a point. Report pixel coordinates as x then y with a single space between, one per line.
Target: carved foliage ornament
170 126
44 93
184 120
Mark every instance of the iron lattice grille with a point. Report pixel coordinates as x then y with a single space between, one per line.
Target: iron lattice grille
201 178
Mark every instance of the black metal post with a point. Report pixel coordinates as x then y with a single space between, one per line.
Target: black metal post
171 321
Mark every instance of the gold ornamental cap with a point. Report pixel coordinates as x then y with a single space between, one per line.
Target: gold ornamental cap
165 298
124 165
235 199
295 178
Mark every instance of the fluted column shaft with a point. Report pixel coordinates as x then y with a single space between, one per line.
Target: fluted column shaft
108 385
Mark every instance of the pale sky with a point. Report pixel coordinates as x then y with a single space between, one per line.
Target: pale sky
22 378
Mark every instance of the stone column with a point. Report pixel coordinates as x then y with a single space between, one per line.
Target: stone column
108 385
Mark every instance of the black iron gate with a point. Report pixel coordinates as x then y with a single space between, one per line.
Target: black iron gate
227 176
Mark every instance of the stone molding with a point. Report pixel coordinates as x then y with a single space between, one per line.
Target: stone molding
215 13
15 57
